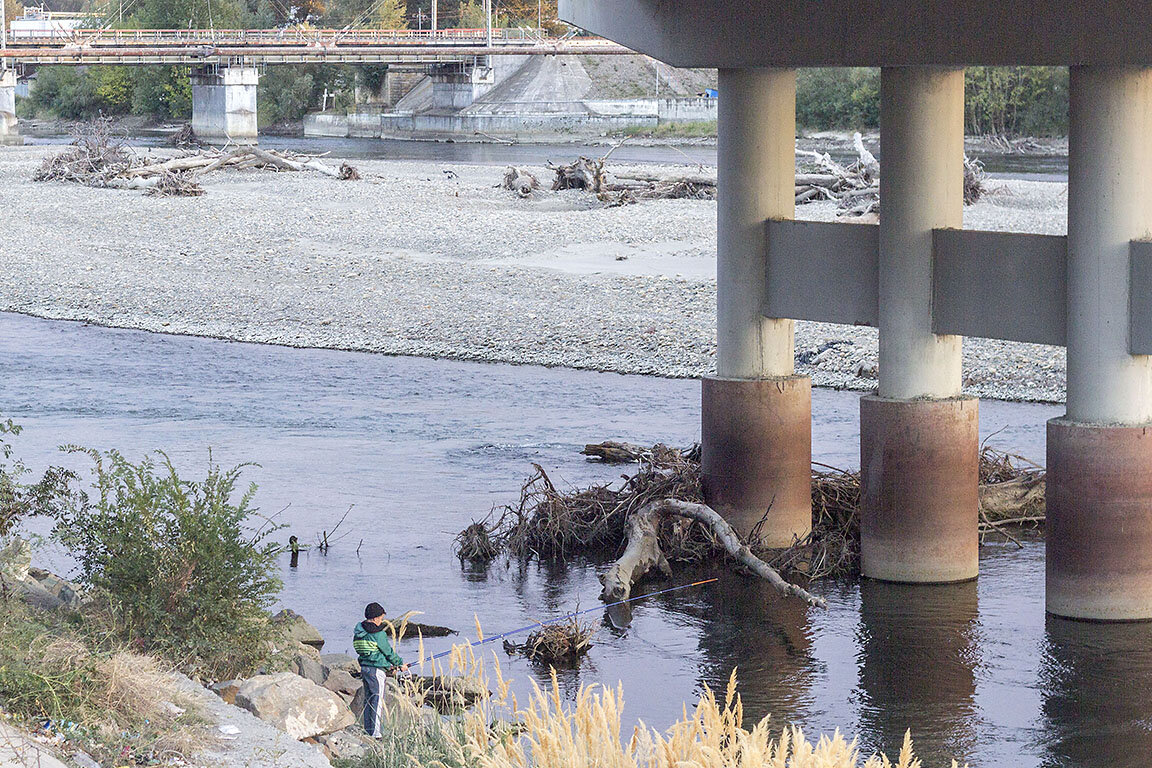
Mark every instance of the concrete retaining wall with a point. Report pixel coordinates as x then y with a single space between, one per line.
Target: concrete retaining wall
579 117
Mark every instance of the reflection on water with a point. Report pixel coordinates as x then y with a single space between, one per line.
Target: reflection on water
918 666
1097 694
423 447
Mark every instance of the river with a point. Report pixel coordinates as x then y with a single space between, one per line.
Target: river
998 165
419 448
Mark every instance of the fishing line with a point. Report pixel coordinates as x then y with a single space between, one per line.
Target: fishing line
568 616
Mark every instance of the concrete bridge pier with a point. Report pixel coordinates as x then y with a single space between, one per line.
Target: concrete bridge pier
1099 529
918 434
756 431
224 103
9 131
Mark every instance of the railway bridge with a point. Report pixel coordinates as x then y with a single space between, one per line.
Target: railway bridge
924 281
226 63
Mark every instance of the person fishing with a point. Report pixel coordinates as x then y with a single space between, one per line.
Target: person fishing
377 659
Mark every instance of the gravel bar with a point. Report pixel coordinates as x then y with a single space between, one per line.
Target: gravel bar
434 260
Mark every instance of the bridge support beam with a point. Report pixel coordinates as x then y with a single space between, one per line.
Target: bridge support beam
1099 530
9 131
224 103
919 436
756 430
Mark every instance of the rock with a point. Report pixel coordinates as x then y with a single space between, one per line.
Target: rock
349 664
68 593
15 562
227 689
294 704
294 627
309 667
84 760
346 745
341 682
357 704
309 651
17 749
35 595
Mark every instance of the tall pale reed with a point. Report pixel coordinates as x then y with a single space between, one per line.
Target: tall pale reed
551 733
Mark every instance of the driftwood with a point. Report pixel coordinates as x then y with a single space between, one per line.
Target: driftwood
519 181
97 159
586 173
613 452
643 551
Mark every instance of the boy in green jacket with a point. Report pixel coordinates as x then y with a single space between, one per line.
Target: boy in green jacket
370 641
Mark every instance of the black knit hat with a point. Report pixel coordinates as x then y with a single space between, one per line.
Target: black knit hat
374 610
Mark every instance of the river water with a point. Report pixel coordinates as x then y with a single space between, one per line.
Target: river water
999 166
422 447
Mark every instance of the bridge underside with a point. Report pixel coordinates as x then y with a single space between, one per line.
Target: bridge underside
923 281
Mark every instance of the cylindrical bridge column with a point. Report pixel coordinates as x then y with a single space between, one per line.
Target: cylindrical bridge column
9 131
756 415
918 435
1099 529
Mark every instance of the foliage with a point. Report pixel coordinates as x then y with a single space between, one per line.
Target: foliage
184 575
130 710
390 14
829 98
18 499
13 9
472 15
1016 101
286 93
687 129
164 92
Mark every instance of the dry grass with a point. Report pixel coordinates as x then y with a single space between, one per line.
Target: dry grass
126 706
548 732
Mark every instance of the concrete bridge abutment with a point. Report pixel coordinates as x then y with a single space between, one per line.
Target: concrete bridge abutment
9 129
224 103
756 427
1099 491
918 435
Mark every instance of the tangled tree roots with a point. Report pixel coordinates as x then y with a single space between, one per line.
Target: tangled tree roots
548 523
560 643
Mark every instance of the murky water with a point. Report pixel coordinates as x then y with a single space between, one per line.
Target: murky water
421 447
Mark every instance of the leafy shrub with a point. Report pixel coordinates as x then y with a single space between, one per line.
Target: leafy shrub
18 499
1016 101
164 92
845 98
185 576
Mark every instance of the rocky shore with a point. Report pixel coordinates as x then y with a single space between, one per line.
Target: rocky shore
434 260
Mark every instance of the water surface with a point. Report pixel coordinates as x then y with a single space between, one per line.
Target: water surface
421 447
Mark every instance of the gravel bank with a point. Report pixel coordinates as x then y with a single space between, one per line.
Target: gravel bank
433 260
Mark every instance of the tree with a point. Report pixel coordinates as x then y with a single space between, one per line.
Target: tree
12 10
472 15
390 15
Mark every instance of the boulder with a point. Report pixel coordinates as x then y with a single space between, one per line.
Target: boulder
15 561
308 666
227 690
341 682
349 664
295 705
295 628
68 593
346 745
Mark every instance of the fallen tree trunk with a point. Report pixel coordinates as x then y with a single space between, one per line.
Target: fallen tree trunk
643 551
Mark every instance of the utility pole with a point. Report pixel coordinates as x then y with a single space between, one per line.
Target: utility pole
420 19
539 15
488 18
3 26
434 19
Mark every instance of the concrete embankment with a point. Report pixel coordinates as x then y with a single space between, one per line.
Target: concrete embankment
433 260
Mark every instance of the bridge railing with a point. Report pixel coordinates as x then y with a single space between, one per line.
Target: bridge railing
293 35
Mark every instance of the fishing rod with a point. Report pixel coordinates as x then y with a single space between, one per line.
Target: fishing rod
567 616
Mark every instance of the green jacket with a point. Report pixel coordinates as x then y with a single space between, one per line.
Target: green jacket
373 648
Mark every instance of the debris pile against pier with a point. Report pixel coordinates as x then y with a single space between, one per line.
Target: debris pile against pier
96 158
602 519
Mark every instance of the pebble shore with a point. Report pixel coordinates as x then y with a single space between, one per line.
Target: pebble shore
434 260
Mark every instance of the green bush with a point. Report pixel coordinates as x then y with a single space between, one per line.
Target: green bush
184 574
18 499
164 92
1016 101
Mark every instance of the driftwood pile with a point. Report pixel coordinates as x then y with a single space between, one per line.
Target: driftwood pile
559 643
97 159
658 516
855 187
